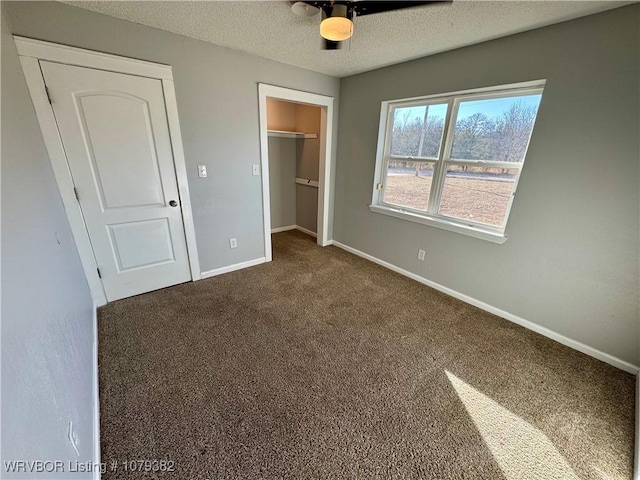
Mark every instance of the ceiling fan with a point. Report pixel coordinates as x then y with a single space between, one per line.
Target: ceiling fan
338 15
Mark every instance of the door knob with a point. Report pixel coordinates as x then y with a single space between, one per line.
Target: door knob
173 203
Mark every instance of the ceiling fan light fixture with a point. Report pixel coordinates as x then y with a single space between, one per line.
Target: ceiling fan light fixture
337 26
336 29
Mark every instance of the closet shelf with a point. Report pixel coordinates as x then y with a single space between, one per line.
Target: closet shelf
307 182
287 134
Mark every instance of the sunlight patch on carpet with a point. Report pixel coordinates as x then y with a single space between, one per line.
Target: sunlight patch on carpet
521 450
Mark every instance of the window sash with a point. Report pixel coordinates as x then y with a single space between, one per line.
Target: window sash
444 159
462 221
528 88
475 163
391 112
410 158
434 206
502 226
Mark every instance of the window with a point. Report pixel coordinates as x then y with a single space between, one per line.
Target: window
453 161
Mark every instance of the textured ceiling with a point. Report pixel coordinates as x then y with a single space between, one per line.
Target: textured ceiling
270 29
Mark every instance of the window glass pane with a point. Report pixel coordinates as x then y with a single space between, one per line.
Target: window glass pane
408 184
417 131
479 194
494 129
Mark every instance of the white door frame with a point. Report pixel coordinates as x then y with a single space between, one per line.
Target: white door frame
326 143
31 52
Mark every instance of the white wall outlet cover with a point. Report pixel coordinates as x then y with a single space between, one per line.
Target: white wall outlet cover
256 169
233 242
202 171
421 254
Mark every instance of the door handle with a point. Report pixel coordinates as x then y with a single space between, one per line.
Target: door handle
173 203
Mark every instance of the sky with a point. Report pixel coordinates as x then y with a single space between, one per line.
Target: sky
492 108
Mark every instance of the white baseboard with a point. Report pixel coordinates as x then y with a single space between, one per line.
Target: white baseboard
234 267
581 347
96 398
295 227
283 229
307 231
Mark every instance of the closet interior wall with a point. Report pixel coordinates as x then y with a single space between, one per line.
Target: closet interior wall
293 204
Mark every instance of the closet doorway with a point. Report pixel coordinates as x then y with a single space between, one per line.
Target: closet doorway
295 143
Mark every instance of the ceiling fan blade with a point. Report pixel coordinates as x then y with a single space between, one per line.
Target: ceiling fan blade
364 7
368 7
324 3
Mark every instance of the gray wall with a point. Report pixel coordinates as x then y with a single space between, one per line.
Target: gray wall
282 187
307 207
217 94
571 262
47 312
307 166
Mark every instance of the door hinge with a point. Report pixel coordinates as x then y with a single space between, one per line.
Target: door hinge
99 274
46 89
75 191
379 186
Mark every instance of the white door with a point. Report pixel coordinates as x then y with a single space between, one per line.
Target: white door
115 134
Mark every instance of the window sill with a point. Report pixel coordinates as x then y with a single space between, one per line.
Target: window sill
440 223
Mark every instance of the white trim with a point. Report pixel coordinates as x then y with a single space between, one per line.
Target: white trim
233 268
264 166
181 176
447 224
29 47
307 231
284 229
57 155
307 182
326 143
96 398
489 91
324 178
31 52
581 347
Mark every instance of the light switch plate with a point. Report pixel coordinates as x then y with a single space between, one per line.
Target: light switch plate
256 170
202 171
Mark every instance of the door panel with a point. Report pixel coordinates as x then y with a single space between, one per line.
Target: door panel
115 134
141 244
117 129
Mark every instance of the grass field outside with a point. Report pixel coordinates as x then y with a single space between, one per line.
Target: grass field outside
479 197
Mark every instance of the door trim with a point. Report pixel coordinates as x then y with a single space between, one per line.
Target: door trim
30 53
54 52
325 165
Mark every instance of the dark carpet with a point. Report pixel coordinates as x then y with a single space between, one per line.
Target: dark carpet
322 365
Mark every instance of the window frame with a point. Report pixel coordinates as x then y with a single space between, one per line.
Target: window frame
432 216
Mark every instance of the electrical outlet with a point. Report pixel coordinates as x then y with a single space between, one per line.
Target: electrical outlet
73 438
233 242
256 170
421 255
202 171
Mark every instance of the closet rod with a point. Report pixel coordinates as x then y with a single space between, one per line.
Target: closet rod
308 182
